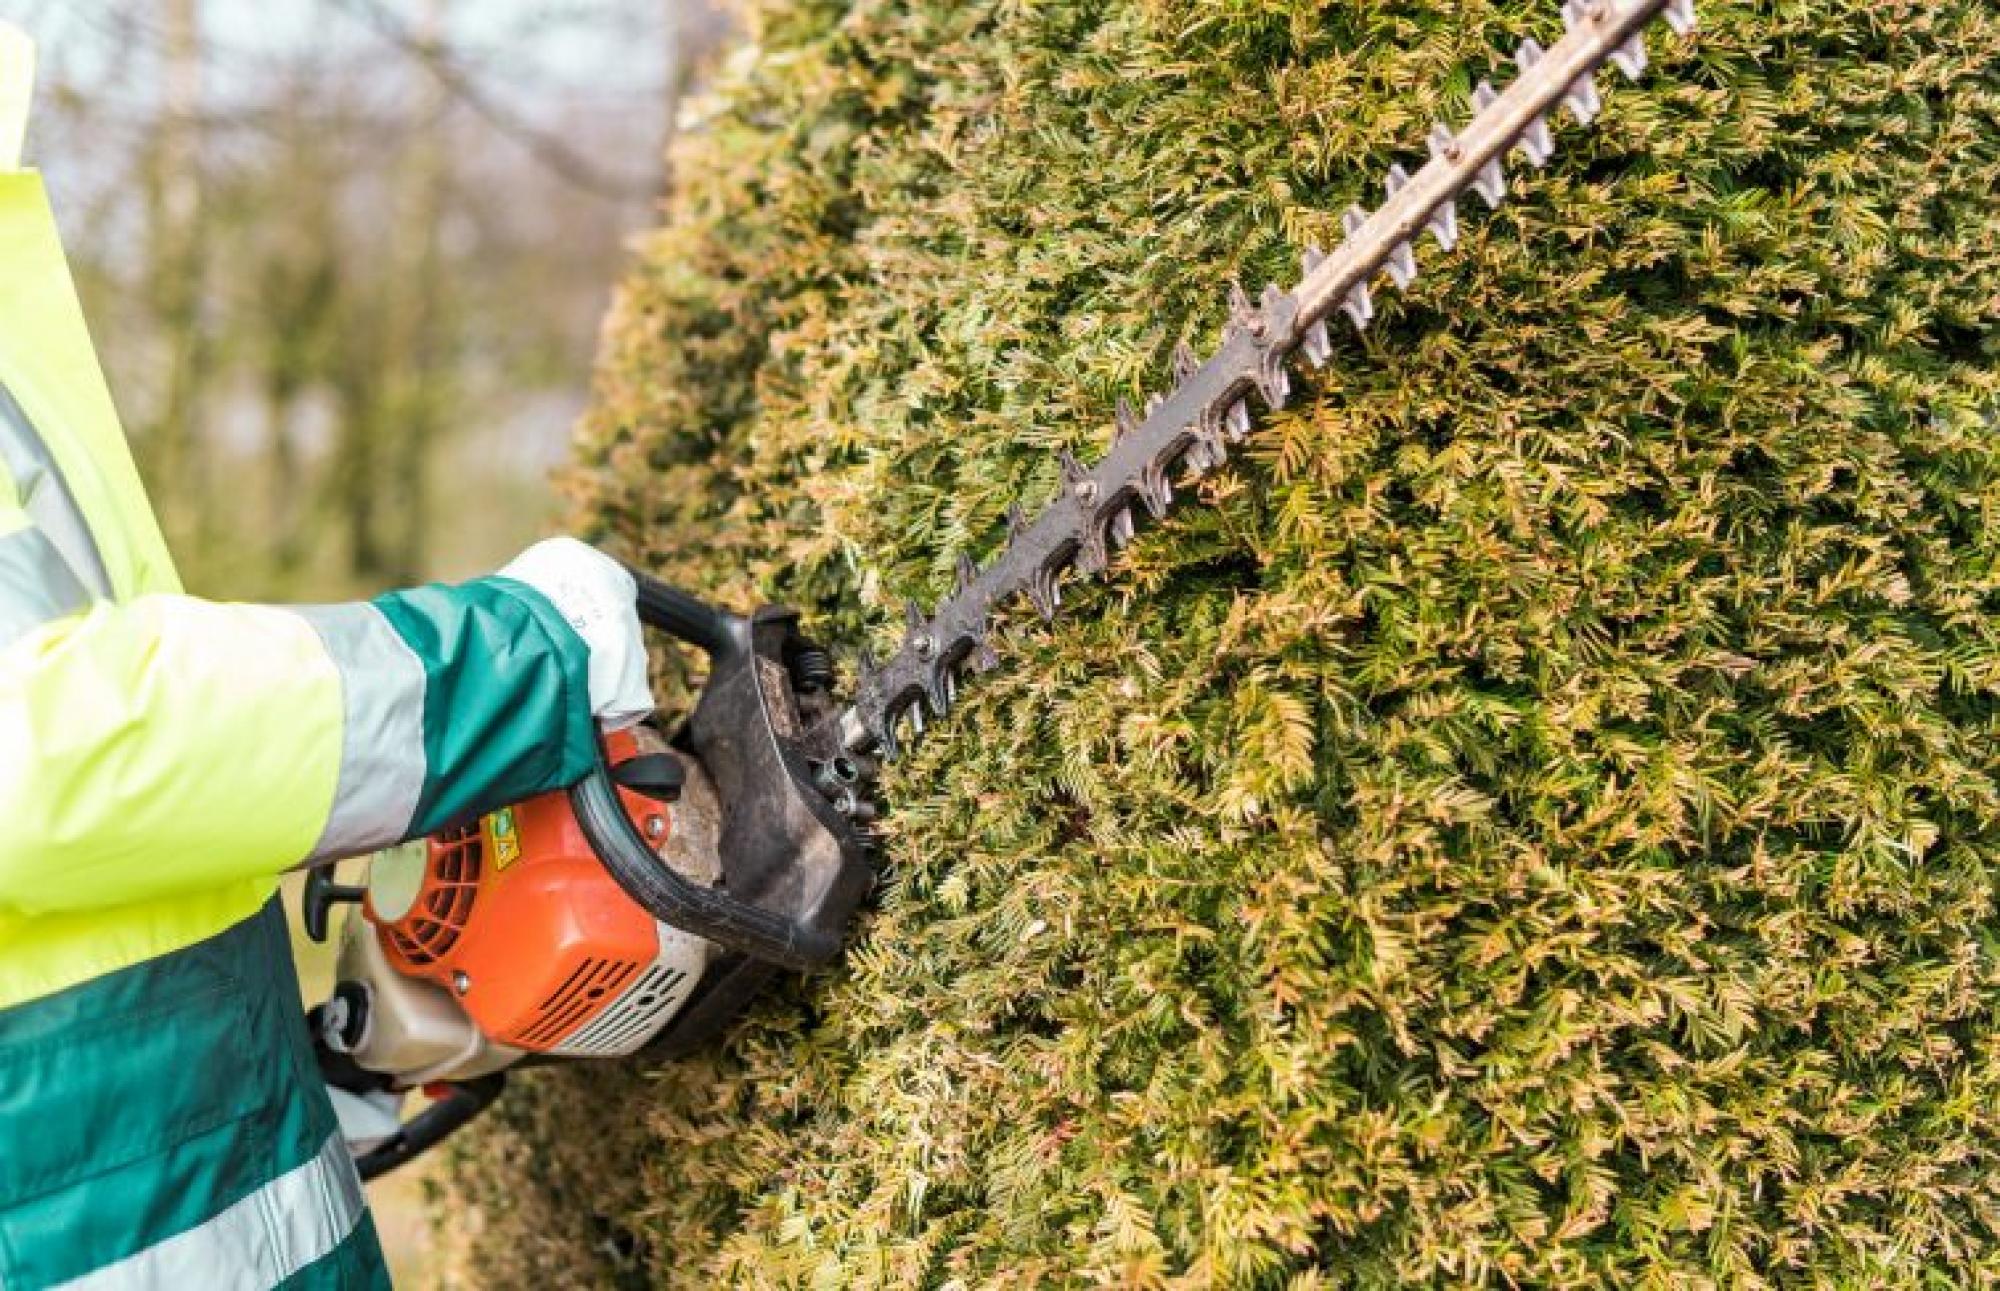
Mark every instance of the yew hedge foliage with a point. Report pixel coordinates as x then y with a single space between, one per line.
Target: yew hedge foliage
1536 824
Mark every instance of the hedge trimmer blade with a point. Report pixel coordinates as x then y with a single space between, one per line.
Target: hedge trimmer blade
1190 428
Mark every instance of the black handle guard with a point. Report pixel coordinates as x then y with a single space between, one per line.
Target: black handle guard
793 867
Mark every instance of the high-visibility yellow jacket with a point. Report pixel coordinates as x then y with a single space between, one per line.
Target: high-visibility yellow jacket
164 758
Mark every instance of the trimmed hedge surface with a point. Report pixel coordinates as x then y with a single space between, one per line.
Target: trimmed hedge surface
1537 824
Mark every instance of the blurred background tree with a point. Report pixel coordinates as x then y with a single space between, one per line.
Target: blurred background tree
345 259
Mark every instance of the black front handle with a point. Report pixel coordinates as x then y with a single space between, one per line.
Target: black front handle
710 913
691 619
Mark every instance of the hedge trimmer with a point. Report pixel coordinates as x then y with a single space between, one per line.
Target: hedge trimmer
641 909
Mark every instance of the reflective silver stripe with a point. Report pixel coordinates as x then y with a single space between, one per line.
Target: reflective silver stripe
45 495
37 585
382 760
287 1225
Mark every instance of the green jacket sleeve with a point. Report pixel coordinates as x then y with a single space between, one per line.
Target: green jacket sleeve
169 744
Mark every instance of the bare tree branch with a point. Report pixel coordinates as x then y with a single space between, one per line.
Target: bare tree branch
546 148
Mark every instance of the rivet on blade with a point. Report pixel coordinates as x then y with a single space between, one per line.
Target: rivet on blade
921 642
1444 143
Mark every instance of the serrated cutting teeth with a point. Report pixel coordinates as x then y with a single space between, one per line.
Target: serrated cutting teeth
1318 345
1443 225
1017 523
1045 593
1491 181
1359 306
1155 490
1538 143
1630 58
1402 260
1491 185
1097 511
1403 266
1360 303
1241 311
1582 100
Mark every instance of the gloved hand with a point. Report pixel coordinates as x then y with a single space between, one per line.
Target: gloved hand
598 598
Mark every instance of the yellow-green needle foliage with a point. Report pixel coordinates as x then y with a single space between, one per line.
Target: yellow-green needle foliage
1536 824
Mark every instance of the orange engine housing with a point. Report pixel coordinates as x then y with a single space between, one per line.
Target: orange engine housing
518 920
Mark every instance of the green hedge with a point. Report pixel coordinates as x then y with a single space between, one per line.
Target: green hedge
1537 825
